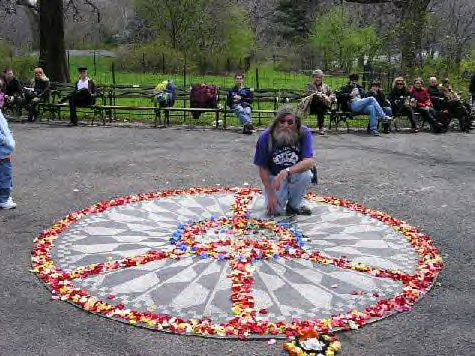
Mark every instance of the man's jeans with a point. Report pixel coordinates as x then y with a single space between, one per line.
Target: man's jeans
6 179
369 106
243 113
292 190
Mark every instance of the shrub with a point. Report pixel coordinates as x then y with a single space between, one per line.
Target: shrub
152 58
22 65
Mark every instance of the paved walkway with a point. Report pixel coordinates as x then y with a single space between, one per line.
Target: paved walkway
425 179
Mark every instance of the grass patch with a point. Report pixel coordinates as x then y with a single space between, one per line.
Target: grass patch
257 77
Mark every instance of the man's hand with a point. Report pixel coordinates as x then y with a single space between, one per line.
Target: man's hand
8 158
283 174
272 202
236 98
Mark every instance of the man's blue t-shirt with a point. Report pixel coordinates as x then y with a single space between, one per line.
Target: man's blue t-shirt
282 157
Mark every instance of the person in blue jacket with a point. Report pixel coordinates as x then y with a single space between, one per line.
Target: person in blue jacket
239 99
7 146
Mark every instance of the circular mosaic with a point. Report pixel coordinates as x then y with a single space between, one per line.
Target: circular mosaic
208 261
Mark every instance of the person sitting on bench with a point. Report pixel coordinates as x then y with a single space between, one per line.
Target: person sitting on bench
376 92
354 96
39 92
84 94
454 106
12 89
322 98
239 99
402 101
425 108
2 94
436 96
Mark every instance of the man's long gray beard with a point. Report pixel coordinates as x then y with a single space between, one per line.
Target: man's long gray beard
285 138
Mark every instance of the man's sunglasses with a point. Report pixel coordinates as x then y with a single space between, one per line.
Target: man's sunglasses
289 122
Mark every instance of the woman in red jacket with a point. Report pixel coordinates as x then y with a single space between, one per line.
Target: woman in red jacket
424 106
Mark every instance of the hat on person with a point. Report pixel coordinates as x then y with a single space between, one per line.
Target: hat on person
318 72
83 68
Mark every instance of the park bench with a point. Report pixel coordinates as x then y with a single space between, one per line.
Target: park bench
170 110
53 107
120 100
181 109
265 104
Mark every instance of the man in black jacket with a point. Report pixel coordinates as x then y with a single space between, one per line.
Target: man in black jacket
13 89
436 97
84 94
376 92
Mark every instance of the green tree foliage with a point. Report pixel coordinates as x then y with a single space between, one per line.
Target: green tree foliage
22 65
223 33
339 43
174 20
293 19
205 32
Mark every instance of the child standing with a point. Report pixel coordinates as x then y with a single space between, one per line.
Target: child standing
7 146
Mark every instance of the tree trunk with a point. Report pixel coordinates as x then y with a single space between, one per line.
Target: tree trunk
52 52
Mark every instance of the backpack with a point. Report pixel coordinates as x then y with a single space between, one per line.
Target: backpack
204 96
165 93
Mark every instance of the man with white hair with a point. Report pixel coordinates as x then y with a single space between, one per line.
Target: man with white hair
436 96
284 155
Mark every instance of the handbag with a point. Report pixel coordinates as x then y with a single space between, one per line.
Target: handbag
314 171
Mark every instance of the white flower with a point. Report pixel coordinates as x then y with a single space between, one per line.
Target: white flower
313 344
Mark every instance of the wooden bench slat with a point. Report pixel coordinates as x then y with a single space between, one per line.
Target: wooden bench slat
191 109
127 107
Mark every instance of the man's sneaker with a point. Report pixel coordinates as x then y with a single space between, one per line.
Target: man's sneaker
321 131
302 210
9 204
374 132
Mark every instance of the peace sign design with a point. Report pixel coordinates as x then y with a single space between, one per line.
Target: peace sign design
208 261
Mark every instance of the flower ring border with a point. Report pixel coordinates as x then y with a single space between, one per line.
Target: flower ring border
430 263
